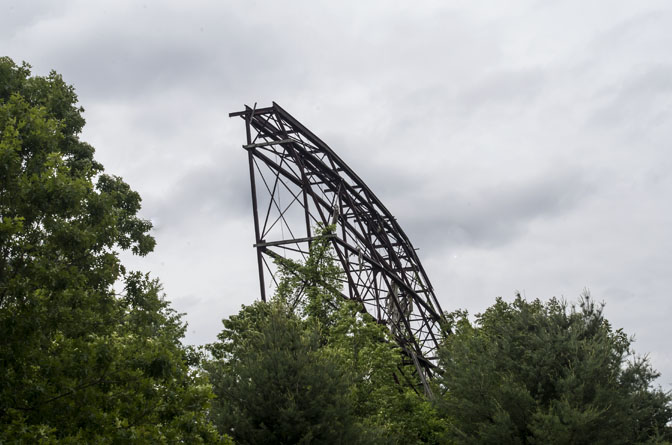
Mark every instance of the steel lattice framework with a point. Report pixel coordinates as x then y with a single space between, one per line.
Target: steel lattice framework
298 183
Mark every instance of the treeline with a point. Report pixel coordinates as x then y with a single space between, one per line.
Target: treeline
91 352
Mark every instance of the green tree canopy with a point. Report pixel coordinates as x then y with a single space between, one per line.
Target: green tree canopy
274 360
78 362
529 372
275 385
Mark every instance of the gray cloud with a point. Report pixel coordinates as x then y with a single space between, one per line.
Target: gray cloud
640 102
216 191
491 217
18 15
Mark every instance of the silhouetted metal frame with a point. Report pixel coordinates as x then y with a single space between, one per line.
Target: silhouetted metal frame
381 267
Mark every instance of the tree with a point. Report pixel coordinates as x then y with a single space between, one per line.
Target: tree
274 384
311 288
528 372
310 344
388 405
80 362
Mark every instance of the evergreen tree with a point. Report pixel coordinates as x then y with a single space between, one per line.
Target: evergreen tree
275 385
534 373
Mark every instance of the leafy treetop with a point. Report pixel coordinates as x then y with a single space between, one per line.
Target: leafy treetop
548 373
79 362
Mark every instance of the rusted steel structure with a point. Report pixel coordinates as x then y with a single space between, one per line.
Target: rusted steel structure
298 183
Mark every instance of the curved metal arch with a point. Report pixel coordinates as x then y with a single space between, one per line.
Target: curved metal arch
297 182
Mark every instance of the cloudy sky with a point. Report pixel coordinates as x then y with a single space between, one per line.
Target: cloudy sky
523 146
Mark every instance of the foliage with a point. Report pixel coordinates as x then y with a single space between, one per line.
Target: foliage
382 398
536 373
275 385
339 351
312 288
80 363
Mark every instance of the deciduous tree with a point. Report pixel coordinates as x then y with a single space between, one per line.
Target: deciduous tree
80 362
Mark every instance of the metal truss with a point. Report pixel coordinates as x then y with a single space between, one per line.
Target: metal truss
298 183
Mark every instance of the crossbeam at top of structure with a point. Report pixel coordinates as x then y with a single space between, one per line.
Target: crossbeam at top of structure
265 110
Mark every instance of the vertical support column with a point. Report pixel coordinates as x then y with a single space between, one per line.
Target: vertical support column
304 190
257 235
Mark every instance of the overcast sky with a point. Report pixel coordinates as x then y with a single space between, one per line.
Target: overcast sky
523 146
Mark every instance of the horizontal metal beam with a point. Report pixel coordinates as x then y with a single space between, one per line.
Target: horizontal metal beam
249 110
265 144
292 241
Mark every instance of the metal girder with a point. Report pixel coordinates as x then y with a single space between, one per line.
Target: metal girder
298 182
